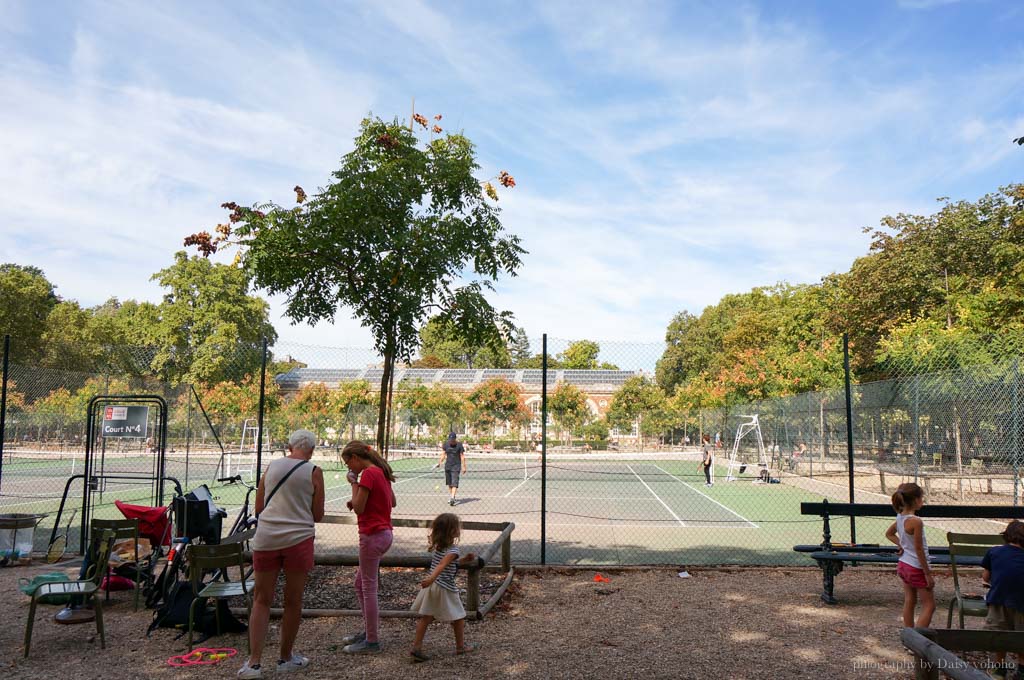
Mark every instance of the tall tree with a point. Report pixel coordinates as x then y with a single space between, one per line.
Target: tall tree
568 407
209 328
445 342
498 401
393 238
637 399
26 299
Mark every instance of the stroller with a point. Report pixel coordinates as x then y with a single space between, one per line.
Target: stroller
154 525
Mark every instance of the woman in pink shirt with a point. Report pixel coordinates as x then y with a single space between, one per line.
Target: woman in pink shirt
372 500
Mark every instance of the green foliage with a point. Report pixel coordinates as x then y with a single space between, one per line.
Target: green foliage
638 399
394 238
567 405
445 343
498 401
934 292
209 327
26 299
439 407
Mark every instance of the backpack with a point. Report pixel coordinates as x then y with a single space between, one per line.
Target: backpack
173 613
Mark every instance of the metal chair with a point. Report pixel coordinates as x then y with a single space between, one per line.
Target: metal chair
86 589
967 545
122 528
217 558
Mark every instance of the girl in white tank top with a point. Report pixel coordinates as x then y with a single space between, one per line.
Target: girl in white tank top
913 568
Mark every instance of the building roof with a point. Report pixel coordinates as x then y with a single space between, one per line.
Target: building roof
456 377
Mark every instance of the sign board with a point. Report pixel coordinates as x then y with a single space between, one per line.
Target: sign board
126 421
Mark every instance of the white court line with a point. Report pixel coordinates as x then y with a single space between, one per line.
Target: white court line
519 485
631 499
695 490
681 522
405 479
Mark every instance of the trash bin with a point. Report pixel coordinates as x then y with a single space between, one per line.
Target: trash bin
16 534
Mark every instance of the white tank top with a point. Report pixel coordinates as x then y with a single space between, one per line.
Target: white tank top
288 518
907 542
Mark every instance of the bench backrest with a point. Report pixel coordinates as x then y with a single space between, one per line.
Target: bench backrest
826 508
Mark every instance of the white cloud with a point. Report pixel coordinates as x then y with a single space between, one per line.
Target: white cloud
665 155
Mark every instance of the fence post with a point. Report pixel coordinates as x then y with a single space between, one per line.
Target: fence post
259 416
1017 427
544 449
849 429
915 418
3 406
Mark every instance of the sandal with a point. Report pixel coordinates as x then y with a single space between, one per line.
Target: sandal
418 656
468 648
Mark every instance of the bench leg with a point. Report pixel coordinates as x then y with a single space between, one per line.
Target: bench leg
829 570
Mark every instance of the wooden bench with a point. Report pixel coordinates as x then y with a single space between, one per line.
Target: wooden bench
933 650
831 558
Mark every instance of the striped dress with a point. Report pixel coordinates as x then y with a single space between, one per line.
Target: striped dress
441 598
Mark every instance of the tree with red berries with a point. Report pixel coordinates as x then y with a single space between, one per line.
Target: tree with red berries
404 232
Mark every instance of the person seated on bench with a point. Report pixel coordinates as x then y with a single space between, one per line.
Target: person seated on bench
913 568
1003 568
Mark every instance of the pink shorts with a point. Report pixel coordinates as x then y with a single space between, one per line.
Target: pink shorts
911 575
298 557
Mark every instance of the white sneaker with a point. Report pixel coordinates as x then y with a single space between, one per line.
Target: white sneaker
296 663
247 672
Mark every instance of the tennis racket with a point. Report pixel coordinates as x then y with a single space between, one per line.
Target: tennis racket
60 542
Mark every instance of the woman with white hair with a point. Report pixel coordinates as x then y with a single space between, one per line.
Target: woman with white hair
284 541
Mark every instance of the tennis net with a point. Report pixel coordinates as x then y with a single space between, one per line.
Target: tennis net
597 467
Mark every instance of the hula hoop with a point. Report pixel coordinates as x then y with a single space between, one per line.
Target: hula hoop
202 656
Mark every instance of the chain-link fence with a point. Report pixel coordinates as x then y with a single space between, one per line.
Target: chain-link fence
592 459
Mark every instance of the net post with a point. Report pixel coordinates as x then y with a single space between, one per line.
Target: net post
544 449
259 424
849 429
3 404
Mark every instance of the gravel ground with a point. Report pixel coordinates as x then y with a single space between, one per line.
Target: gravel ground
726 623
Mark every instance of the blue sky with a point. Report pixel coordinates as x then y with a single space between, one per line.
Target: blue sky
665 153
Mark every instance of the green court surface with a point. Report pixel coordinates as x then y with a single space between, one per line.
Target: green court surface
600 510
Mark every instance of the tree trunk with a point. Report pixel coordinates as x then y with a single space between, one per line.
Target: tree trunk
382 401
391 410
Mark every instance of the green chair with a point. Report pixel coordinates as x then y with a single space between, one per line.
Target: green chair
218 558
967 545
122 528
86 589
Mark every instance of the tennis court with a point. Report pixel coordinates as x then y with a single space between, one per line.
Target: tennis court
645 508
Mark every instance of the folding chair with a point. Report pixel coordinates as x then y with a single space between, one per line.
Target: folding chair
204 558
122 528
86 589
967 545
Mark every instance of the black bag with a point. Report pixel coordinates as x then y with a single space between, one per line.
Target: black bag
173 613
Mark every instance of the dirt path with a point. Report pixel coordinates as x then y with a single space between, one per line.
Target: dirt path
555 624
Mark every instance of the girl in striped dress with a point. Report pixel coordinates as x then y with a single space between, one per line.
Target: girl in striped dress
439 596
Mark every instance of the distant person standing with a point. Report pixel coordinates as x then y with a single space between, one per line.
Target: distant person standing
707 459
718 440
453 458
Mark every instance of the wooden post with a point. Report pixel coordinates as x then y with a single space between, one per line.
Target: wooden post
473 589
881 479
506 554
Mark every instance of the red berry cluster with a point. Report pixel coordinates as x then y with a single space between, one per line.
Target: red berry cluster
300 195
420 119
506 180
387 141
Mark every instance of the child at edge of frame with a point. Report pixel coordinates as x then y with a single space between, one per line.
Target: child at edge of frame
1003 572
439 598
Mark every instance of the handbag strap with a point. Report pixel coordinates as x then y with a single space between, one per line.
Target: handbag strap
283 480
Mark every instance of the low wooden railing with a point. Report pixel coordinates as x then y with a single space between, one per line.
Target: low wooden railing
474 610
